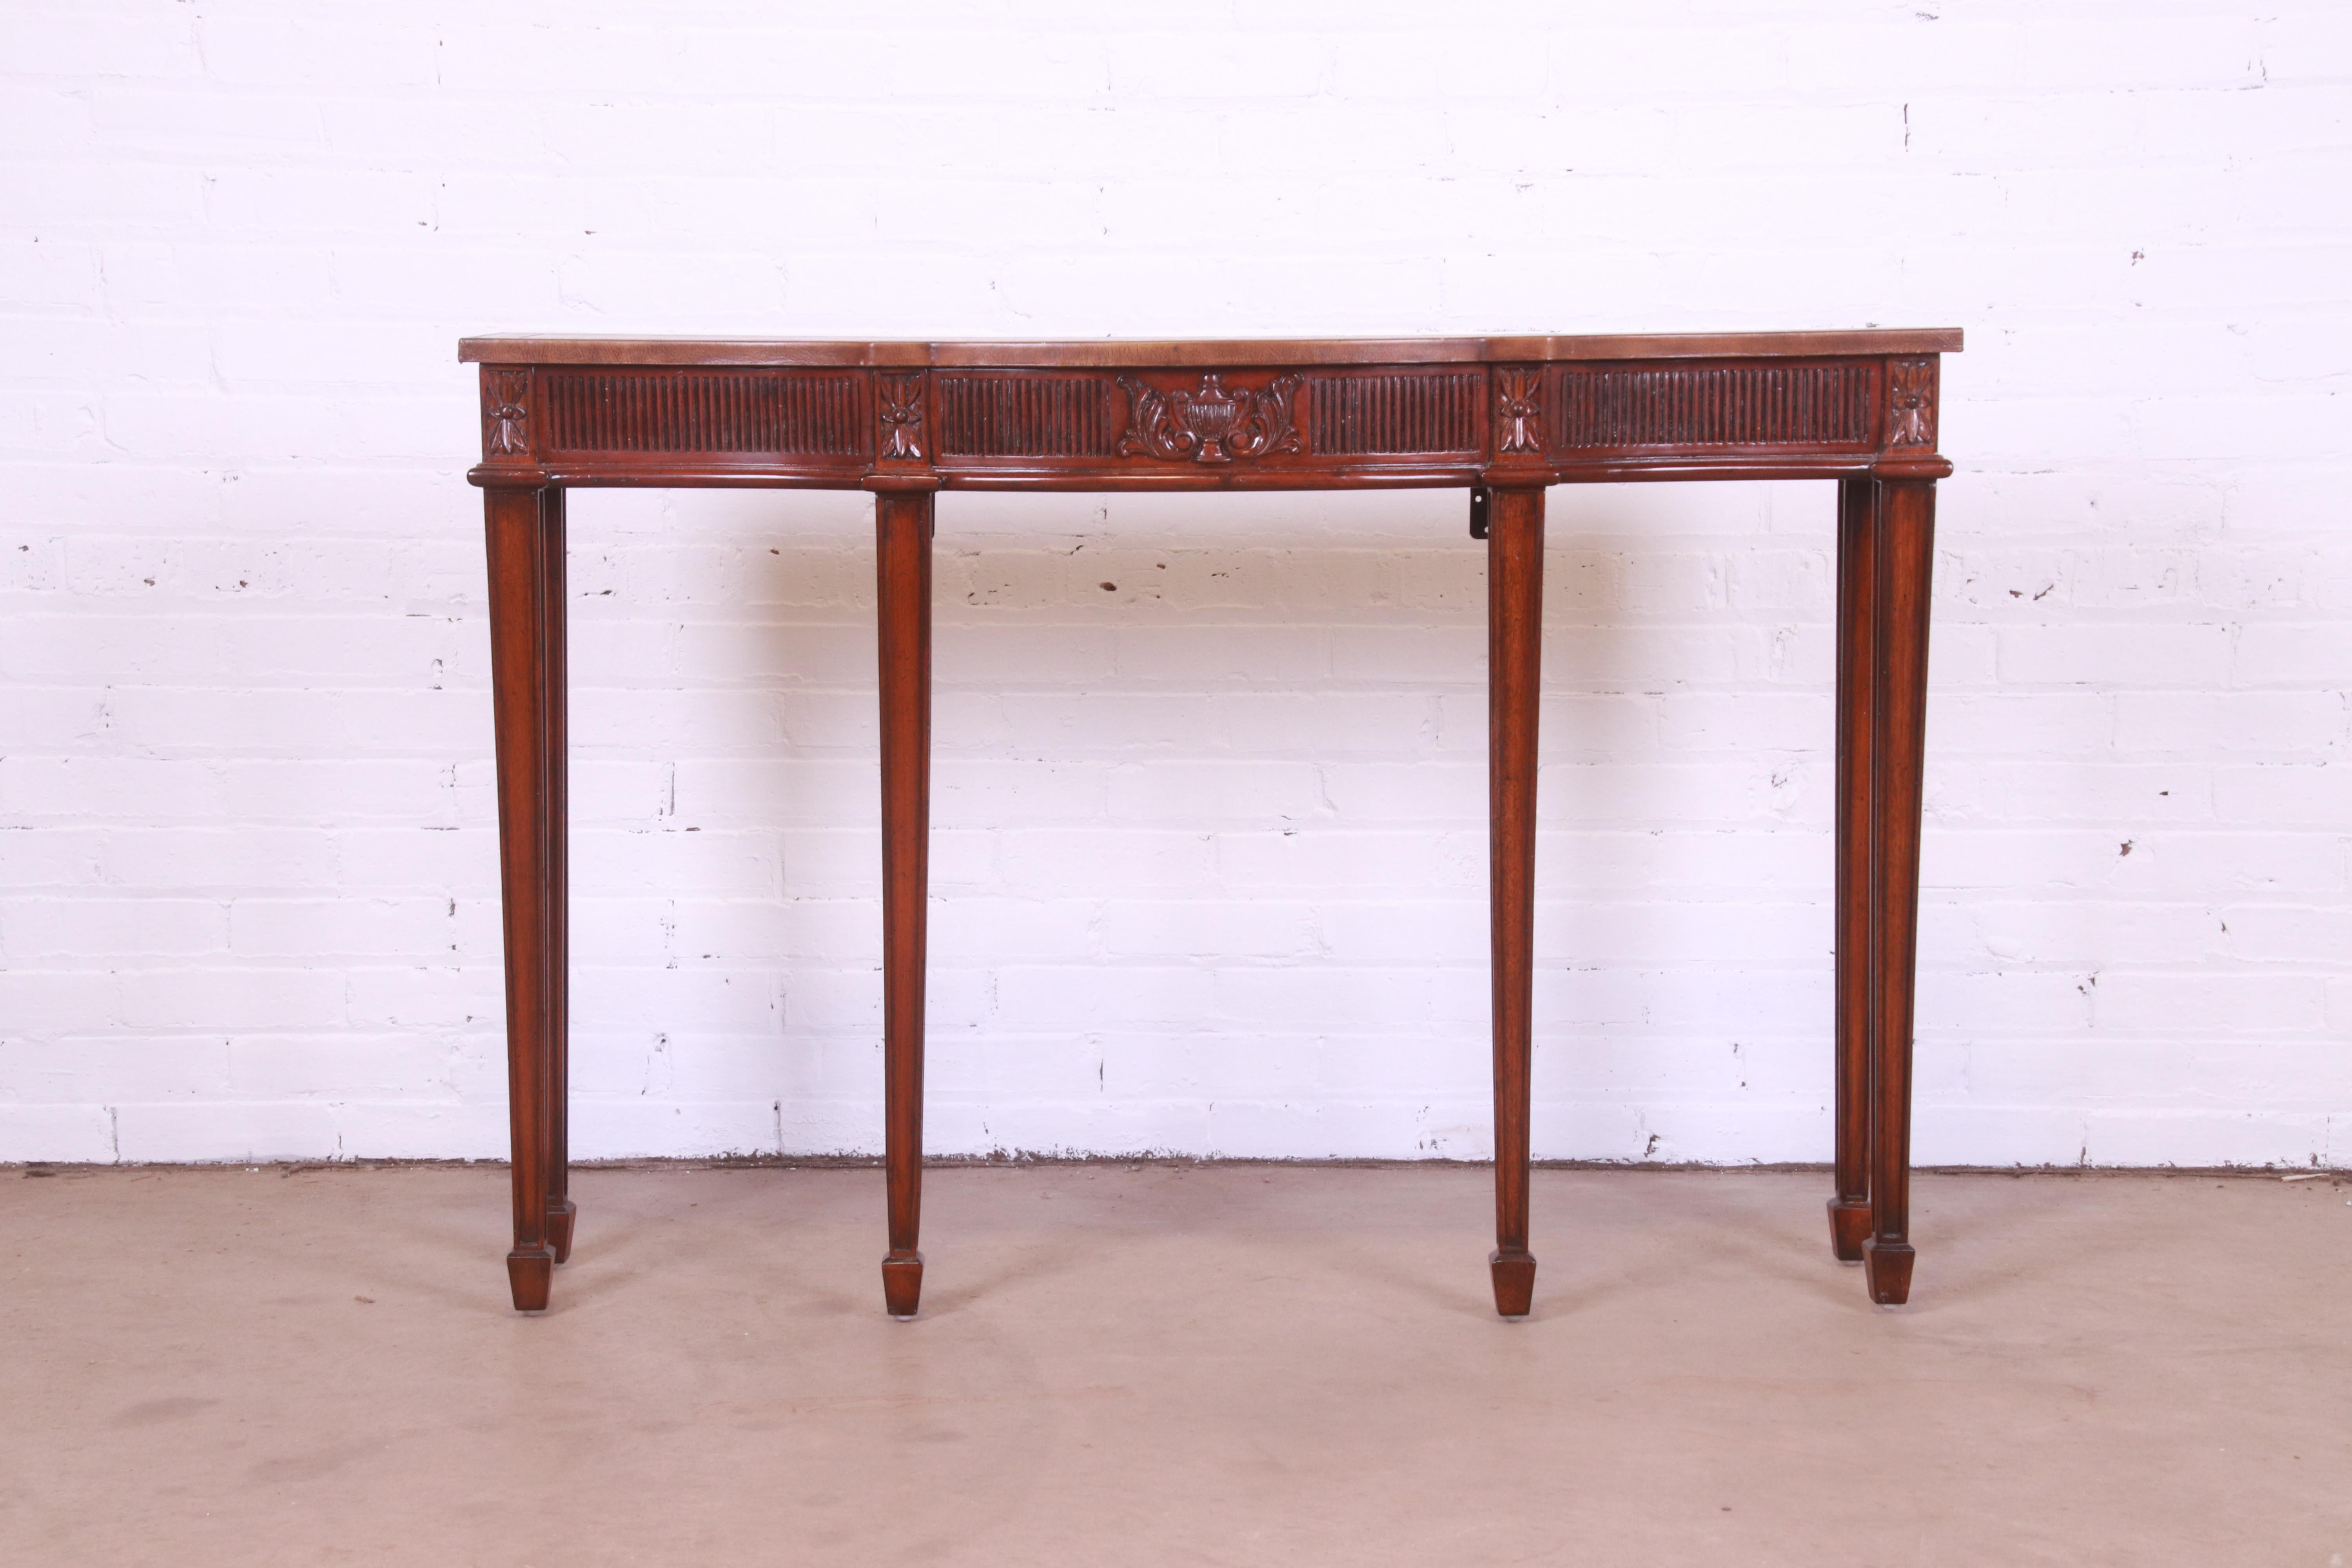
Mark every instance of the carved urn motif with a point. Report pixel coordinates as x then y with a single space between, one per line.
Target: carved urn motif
1209 424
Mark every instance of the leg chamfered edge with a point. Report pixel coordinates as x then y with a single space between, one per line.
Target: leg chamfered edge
1515 1282
560 1218
902 1285
530 1273
1888 1266
1849 1228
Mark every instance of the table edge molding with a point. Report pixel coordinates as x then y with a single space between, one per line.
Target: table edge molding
1132 354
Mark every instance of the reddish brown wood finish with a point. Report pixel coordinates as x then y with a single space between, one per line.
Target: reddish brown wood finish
554 767
1155 353
1903 559
903 537
1515 545
1217 416
525 536
1507 416
1857 585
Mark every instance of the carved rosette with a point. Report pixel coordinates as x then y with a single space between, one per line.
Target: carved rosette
506 414
1911 404
1210 424
900 408
1518 412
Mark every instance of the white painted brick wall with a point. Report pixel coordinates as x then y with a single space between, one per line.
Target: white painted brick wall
1210 848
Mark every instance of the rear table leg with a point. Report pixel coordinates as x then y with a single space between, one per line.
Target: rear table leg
1856 691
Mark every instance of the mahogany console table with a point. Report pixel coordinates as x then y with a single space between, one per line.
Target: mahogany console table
1501 417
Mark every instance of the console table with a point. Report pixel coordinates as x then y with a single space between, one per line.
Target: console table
1501 417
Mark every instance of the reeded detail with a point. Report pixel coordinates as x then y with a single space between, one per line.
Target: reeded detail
1716 405
705 411
1026 417
1364 415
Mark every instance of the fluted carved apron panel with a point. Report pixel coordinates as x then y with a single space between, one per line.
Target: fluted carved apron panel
715 413
999 415
1687 407
1274 415
1396 413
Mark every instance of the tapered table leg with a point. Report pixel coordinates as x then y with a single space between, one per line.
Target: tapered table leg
561 1214
903 537
1856 691
1514 546
1905 560
525 538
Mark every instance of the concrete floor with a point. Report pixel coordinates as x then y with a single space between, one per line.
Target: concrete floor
1168 1365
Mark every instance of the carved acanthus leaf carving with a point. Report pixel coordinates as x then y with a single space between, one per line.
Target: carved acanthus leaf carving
1518 410
1210 425
902 415
506 414
1911 403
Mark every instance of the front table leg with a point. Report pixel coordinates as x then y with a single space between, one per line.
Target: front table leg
525 538
902 521
1906 553
1515 545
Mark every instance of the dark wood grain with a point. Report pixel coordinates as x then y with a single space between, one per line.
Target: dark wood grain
1904 553
1344 416
1502 417
1857 692
903 553
555 752
527 348
525 623
1514 549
